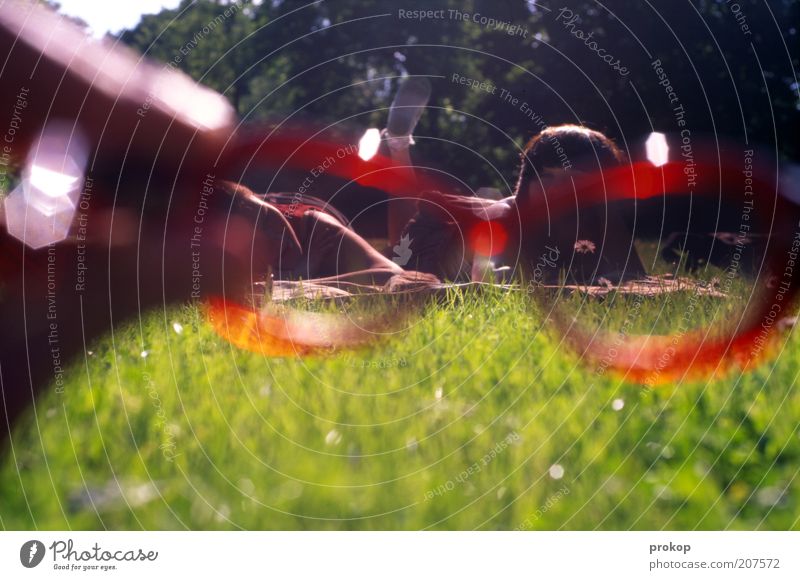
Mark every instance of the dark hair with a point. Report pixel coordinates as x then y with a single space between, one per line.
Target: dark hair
568 147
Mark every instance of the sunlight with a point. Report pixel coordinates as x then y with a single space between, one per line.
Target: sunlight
369 143
657 149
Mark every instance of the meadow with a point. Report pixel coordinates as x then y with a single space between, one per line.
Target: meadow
476 417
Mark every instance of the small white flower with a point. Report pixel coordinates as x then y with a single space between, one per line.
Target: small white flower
333 437
769 497
144 354
556 471
223 513
438 393
177 327
617 404
247 486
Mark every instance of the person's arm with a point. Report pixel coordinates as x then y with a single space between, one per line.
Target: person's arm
149 230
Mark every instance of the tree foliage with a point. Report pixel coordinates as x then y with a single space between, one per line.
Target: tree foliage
731 65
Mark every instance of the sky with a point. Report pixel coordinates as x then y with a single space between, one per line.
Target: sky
113 15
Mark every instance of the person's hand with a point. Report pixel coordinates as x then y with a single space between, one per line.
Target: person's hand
125 106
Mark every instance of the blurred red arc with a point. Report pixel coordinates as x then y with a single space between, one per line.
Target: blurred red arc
640 358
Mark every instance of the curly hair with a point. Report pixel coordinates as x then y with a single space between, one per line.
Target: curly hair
568 147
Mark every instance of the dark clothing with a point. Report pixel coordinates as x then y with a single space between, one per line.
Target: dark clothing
597 246
439 239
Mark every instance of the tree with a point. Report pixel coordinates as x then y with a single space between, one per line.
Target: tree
340 61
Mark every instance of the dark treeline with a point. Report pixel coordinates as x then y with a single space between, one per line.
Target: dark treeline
623 67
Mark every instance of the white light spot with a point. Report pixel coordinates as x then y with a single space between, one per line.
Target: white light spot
144 354
617 404
369 143
657 149
438 393
40 209
769 497
52 183
556 471
223 513
333 437
177 327
247 486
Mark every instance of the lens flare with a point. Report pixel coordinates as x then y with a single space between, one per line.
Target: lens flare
369 143
657 149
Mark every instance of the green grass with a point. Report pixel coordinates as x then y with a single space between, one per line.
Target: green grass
199 435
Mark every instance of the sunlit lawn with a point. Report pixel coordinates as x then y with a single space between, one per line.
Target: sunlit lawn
465 421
